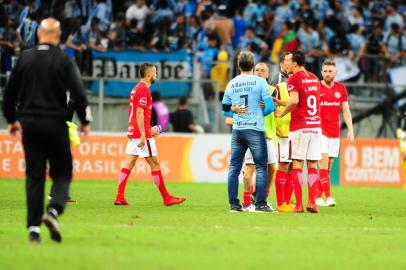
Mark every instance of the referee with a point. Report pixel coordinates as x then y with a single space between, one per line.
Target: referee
35 103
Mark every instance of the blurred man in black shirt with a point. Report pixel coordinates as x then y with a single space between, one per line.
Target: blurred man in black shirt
182 118
35 103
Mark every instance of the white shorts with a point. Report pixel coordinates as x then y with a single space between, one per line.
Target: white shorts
284 150
271 154
306 144
330 146
149 149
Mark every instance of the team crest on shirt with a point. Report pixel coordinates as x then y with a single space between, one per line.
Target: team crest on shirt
337 94
143 101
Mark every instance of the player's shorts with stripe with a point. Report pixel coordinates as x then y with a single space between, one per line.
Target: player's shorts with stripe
306 143
284 150
330 146
149 149
271 154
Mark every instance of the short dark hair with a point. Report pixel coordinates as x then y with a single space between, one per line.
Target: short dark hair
246 60
282 56
182 101
144 68
298 57
156 96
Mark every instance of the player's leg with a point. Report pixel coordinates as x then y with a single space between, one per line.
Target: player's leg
238 149
289 187
333 151
281 176
158 179
272 161
300 142
35 160
123 175
313 155
60 164
323 178
256 142
249 170
312 176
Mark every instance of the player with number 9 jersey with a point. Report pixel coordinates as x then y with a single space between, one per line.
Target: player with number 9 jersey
140 98
306 114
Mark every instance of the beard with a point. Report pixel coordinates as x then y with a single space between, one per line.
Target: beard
328 80
153 80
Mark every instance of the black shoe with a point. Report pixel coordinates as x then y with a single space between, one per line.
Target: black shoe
264 208
53 226
235 208
34 237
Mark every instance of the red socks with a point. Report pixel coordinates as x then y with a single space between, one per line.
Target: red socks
288 188
297 179
312 183
122 181
325 182
247 196
280 182
159 182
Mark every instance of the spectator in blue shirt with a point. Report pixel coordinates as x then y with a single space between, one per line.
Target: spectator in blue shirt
240 26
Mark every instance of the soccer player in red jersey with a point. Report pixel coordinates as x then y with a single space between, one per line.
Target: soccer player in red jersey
305 127
140 138
333 97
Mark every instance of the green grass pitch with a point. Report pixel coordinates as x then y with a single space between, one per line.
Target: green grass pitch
367 230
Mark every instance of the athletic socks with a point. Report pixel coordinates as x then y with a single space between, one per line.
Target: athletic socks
325 182
297 179
280 182
160 184
312 178
288 188
247 196
122 181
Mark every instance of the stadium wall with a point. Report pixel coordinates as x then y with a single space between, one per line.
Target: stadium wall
205 158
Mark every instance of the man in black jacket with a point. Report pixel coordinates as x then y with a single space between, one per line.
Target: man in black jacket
35 103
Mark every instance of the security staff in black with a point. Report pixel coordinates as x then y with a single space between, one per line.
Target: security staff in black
35 103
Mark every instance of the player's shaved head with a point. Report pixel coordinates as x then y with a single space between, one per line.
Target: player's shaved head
49 31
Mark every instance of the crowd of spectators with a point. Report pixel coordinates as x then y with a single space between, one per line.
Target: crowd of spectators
369 32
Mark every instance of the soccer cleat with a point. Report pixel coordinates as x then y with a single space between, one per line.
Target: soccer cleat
34 237
299 208
120 201
235 208
330 202
271 207
264 209
173 200
312 208
53 227
249 208
284 208
320 202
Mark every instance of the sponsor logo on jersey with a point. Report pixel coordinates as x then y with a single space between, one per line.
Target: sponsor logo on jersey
143 101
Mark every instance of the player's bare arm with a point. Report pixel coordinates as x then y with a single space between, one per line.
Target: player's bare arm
348 120
279 102
293 101
140 123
